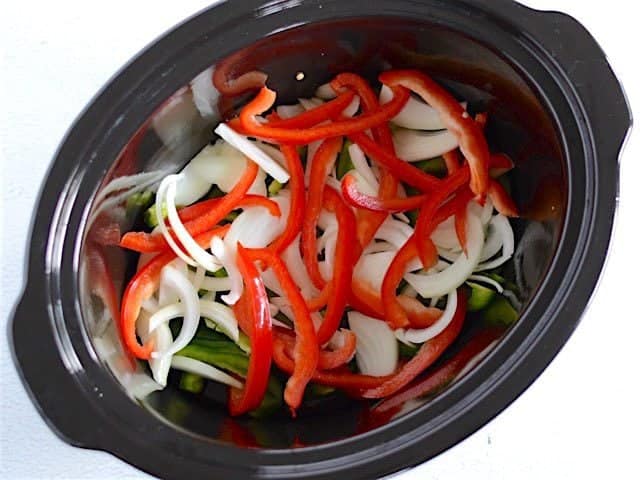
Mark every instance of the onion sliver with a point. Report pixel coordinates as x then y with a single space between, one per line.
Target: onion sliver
376 345
424 334
372 267
415 114
363 168
197 253
293 260
190 309
414 145
227 258
352 108
243 144
488 281
216 284
162 340
394 231
205 370
441 283
445 236
221 315
502 226
288 111
326 92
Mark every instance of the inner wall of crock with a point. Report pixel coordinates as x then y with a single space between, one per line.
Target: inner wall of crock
518 125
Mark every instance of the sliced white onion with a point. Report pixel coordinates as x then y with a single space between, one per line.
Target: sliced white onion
415 114
446 281
293 260
310 103
414 145
371 268
376 345
475 361
484 212
409 291
243 144
394 231
502 226
205 370
162 340
376 247
205 95
288 111
216 284
273 152
271 282
195 253
402 217
327 221
273 310
422 335
197 278
326 92
487 281
363 168
228 260
326 267
190 310
445 236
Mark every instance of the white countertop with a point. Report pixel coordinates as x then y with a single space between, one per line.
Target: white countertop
580 419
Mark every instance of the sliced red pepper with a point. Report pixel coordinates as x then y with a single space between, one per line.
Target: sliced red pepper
425 224
501 199
306 345
320 167
297 208
328 359
319 114
440 378
298 136
395 315
399 168
500 164
345 260
353 382
199 209
418 315
317 303
365 300
142 286
461 223
473 144
368 221
250 396
429 352
452 161
376 204
147 242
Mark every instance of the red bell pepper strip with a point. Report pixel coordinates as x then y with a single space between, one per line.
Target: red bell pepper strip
142 286
320 167
501 200
365 300
344 379
395 315
440 378
297 209
399 168
429 352
199 209
317 303
452 161
298 136
419 316
500 164
346 257
473 144
425 224
369 222
306 346
147 242
328 359
358 199
250 396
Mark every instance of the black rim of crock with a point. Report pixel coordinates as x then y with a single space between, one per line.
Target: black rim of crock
82 401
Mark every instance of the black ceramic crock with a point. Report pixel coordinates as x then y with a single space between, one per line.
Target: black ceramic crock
557 108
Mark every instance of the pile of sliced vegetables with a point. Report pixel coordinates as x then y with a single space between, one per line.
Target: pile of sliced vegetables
340 241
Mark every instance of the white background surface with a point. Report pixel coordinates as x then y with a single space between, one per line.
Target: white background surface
579 420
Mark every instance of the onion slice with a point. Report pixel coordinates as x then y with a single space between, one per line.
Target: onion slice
441 283
247 147
503 228
416 114
414 145
205 370
376 345
162 340
422 335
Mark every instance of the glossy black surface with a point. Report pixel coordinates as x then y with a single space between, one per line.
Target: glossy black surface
531 70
